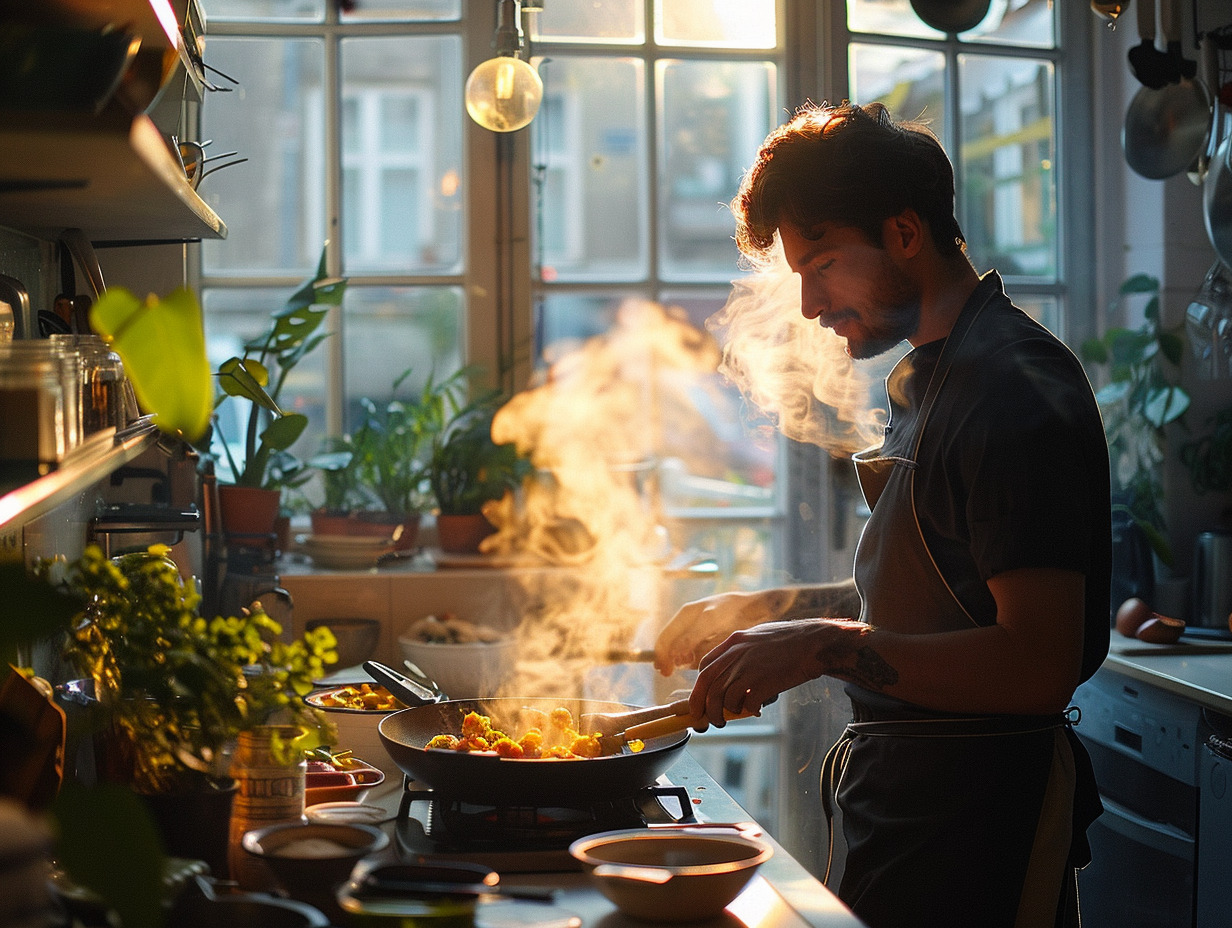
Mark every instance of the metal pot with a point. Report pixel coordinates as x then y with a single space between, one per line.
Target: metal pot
1212 580
488 779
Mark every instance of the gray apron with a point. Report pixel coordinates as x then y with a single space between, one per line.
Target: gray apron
948 819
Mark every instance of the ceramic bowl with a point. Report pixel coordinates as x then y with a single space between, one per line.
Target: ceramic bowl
345 552
671 875
463 670
357 638
310 859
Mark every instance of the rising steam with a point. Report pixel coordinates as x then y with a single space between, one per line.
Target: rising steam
796 372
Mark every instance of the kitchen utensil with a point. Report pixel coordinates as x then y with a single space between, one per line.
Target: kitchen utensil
656 728
609 723
13 292
1217 201
1166 128
951 16
1148 63
411 692
676 874
442 880
487 778
1209 66
1212 582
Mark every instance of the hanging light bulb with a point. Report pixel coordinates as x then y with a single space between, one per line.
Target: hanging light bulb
503 94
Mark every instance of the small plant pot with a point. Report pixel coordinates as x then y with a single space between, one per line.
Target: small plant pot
386 525
249 514
461 534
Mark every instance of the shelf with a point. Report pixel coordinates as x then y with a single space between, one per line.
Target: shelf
84 467
110 176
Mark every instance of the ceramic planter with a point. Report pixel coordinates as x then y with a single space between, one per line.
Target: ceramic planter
461 534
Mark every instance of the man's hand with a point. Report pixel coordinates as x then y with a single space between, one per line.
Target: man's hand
700 625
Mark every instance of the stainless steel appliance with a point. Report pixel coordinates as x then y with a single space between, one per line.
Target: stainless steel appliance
1215 823
1212 585
1143 744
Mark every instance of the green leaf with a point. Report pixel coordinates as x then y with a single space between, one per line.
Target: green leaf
283 431
1165 404
108 844
31 608
1095 351
162 345
246 378
1140 283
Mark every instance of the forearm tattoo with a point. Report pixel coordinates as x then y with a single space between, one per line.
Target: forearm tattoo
857 662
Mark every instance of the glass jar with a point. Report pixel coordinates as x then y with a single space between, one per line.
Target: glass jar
32 430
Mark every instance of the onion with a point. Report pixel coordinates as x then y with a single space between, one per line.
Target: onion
1131 616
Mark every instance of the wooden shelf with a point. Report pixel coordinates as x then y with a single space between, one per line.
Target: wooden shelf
85 466
110 176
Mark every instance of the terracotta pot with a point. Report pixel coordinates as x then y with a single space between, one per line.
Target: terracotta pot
249 514
461 534
331 523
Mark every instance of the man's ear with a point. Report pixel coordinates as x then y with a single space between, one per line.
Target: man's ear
904 234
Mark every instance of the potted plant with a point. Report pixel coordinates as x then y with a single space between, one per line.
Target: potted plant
468 470
175 689
260 465
1138 402
391 448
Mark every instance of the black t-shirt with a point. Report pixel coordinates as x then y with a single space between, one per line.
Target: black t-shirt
1013 464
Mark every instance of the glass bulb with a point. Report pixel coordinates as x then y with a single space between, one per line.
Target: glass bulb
503 94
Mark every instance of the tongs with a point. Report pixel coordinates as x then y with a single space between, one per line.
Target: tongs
411 692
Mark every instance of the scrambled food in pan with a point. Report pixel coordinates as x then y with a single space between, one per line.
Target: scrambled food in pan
358 696
552 735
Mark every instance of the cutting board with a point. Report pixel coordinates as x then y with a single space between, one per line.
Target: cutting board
1129 647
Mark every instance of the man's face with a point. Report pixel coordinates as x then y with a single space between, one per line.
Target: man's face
850 285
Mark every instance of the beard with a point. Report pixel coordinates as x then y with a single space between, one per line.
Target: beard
893 315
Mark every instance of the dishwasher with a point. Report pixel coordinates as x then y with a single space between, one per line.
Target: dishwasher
1144 745
1215 822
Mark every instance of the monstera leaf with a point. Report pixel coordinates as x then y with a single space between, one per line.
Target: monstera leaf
162 344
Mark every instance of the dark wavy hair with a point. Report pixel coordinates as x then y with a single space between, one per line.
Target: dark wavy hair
849 164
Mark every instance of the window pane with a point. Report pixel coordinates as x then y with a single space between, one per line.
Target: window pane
402 143
235 317
1008 196
716 23
1019 22
589 143
273 10
715 115
275 202
593 21
387 330
887 17
402 10
909 81
1043 309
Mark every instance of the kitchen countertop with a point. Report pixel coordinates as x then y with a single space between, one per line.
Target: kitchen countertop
783 894
1199 670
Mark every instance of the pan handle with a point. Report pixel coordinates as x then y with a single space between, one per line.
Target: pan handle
411 692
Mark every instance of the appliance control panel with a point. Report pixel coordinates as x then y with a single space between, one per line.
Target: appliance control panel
1161 730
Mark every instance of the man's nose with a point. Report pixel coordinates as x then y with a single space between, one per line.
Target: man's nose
812 300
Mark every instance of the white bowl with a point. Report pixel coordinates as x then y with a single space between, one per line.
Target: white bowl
345 551
464 670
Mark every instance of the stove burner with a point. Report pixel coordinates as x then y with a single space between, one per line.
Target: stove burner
453 827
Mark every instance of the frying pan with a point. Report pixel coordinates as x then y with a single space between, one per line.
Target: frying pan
491 780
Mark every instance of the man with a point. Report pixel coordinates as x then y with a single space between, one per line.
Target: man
980 596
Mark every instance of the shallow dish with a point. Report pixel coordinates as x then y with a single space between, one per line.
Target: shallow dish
357 731
347 784
672 874
345 551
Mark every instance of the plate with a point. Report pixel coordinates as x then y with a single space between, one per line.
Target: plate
330 788
345 551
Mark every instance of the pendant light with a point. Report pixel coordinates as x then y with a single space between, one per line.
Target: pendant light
503 93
